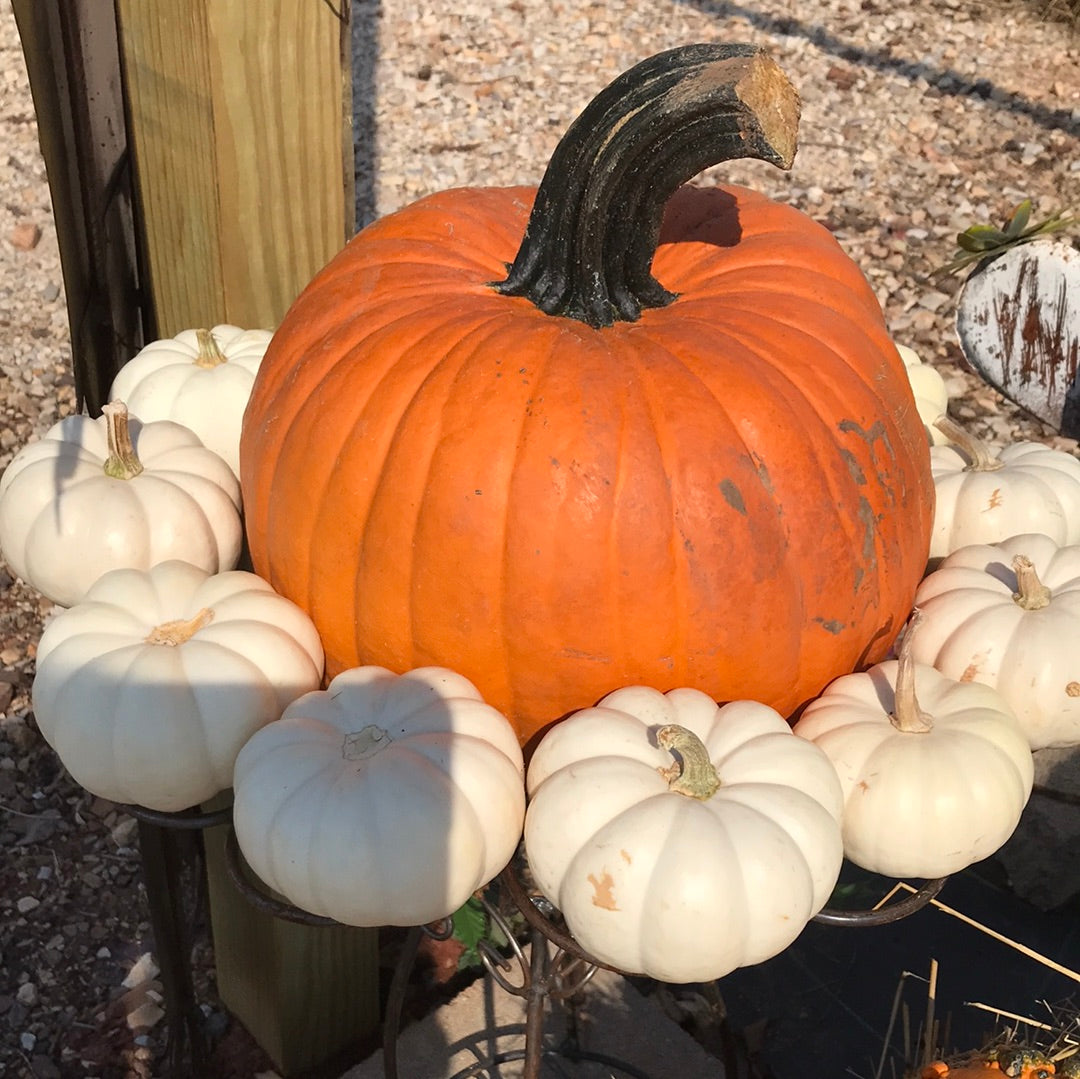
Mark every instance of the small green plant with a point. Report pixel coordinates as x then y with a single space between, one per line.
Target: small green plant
985 241
472 926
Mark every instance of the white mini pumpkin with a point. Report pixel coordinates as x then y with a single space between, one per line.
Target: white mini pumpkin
935 772
983 497
383 800
148 688
931 393
1008 615
200 378
657 875
115 493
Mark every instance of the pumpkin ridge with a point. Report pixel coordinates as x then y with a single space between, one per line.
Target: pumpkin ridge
498 214
348 431
322 333
170 658
669 861
464 351
742 795
318 820
461 796
507 641
791 395
680 676
674 631
708 271
856 375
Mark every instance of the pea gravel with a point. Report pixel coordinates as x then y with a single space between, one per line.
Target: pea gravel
919 119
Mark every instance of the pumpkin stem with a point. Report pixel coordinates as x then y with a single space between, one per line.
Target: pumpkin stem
982 460
907 716
359 745
209 355
589 245
693 773
1031 593
179 630
122 463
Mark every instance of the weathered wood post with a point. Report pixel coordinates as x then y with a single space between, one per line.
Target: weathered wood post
200 158
72 59
240 121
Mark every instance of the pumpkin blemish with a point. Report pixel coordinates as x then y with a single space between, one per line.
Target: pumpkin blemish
1072 689
626 857
971 671
733 496
603 891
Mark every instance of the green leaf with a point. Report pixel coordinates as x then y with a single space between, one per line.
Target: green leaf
470 927
986 235
1019 220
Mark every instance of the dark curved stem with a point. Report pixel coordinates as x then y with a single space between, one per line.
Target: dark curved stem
588 248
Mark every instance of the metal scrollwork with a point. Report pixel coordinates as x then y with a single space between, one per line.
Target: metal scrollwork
883 915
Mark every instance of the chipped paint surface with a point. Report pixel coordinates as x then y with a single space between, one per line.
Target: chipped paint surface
1018 319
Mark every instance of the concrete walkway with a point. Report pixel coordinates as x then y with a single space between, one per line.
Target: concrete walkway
484 1020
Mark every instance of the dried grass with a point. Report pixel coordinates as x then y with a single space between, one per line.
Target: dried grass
1062 11
1056 1035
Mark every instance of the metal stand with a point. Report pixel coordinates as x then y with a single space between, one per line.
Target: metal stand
892 912
160 845
543 974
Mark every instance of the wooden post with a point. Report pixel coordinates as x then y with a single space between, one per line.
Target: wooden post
237 118
240 119
305 993
74 69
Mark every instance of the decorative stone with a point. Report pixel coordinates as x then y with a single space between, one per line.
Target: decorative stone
25 236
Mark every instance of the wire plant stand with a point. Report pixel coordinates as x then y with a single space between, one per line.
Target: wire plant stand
548 966
540 961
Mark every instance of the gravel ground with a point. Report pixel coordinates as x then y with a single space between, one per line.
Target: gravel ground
919 119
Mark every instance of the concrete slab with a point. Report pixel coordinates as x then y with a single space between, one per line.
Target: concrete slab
485 1020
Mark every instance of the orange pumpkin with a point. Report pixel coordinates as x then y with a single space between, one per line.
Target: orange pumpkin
703 468
1021 1062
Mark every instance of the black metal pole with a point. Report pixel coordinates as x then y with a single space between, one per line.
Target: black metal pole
162 860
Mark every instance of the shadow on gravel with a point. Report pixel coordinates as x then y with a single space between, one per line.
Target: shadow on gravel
365 16
943 79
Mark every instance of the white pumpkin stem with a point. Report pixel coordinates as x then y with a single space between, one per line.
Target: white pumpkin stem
122 463
982 460
1031 593
179 630
907 716
210 354
693 773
